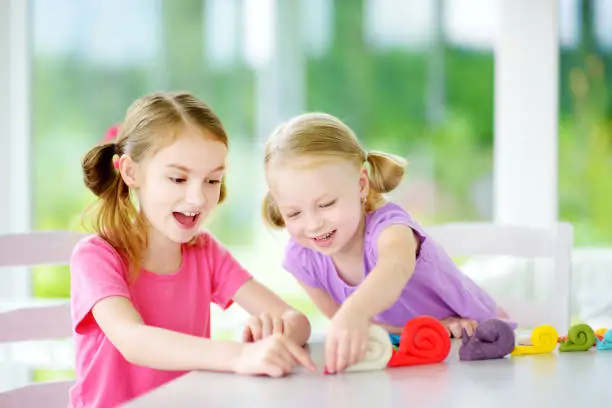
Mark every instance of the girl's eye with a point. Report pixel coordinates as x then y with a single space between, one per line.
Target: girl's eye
293 214
213 181
328 204
177 180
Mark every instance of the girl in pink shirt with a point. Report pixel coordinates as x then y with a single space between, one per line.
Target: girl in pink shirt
141 287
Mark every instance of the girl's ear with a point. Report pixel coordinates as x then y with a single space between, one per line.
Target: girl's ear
128 170
364 184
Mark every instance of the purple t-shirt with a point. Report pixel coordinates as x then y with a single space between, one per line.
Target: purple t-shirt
437 287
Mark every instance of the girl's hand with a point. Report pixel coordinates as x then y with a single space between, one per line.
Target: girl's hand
262 326
347 340
274 356
455 324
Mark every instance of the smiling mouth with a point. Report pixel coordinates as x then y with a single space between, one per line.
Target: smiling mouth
324 237
187 219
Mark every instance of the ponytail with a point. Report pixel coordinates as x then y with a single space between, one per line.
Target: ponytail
385 174
271 213
98 172
117 219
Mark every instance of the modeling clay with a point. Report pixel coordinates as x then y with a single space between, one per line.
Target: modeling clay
599 334
543 340
424 340
581 337
606 342
597 337
379 351
492 339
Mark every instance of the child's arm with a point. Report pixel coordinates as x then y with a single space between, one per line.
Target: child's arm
322 300
329 307
164 349
258 300
346 342
156 347
397 247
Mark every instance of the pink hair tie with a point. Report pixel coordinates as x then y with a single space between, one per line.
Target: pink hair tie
111 133
116 162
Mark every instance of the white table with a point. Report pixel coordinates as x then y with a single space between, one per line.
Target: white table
557 380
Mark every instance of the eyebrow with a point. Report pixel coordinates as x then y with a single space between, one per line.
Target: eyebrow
187 170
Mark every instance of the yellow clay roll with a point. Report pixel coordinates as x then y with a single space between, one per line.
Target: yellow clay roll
543 339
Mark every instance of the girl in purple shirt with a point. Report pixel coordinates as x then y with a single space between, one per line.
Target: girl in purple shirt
360 258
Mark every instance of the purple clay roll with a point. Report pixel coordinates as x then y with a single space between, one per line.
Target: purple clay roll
492 339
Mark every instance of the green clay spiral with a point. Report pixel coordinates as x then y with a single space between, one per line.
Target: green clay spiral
580 338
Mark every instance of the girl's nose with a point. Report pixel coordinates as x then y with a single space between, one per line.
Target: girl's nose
196 196
314 224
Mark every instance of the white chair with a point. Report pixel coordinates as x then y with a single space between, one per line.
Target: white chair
36 322
490 239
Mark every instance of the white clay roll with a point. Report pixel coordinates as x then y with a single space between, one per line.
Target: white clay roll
379 351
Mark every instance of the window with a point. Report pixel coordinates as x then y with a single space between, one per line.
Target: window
412 77
422 90
585 150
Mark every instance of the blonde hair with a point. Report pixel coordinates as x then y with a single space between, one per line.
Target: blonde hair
151 123
321 134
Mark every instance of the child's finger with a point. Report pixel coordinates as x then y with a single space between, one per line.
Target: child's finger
474 324
247 335
277 325
266 325
331 350
343 355
358 351
455 329
284 360
468 326
299 353
256 328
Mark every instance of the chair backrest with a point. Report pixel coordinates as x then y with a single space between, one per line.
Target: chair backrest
491 239
51 321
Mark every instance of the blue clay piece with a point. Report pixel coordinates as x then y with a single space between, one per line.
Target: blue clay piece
606 343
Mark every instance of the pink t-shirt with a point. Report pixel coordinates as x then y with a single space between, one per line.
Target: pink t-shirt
179 302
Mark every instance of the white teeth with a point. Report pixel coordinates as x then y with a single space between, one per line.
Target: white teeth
324 236
190 214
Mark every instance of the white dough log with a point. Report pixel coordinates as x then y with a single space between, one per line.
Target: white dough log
379 351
